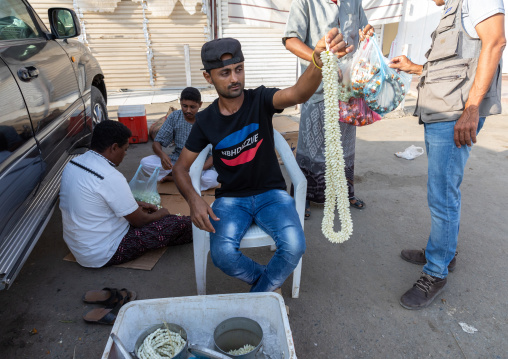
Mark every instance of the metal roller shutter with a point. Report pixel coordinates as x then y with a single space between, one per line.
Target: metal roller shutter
168 37
115 39
267 62
41 8
118 42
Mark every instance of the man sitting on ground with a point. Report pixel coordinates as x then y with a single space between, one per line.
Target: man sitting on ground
177 128
103 224
239 126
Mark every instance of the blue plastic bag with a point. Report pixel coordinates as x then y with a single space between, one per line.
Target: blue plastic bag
387 88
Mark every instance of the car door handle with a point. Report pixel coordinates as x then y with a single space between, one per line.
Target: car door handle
28 73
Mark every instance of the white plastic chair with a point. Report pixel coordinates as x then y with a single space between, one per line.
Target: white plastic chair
255 236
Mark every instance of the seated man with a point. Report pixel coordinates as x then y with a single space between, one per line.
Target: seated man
177 128
102 222
239 126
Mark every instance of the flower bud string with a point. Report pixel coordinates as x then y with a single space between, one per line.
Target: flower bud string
336 192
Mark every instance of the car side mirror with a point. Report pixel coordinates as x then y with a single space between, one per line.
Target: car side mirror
64 23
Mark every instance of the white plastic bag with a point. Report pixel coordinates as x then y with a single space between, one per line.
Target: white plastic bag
410 153
144 186
365 64
344 74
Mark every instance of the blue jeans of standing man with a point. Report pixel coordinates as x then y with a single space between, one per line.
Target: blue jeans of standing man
446 165
274 211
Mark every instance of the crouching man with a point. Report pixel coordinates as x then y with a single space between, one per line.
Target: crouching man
239 126
102 222
177 128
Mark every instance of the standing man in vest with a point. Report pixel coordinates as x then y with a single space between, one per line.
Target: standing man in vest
460 85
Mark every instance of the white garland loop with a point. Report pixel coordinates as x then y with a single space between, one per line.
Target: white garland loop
336 192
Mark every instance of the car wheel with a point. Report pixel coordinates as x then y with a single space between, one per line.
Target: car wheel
99 109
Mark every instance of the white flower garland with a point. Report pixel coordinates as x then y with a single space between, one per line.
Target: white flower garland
336 192
162 343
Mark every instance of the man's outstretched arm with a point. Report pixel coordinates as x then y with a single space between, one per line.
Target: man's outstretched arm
199 209
308 83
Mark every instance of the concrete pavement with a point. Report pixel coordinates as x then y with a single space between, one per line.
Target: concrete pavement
348 306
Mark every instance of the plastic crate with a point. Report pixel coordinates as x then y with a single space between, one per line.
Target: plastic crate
200 315
134 117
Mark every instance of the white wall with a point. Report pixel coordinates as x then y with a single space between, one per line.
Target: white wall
419 19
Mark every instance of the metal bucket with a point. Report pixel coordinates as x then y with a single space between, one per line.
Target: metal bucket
182 354
236 332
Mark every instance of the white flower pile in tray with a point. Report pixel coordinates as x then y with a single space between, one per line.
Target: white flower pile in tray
247 348
336 192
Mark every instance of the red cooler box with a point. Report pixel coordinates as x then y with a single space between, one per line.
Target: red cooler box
134 117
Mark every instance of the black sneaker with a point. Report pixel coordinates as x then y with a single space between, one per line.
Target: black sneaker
418 257
424 291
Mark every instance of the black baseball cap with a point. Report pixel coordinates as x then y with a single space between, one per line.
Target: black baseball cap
212 51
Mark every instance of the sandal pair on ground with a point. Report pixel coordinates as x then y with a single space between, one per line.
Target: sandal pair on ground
357 203
111 300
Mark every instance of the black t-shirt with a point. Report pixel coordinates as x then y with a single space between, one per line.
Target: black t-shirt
243 145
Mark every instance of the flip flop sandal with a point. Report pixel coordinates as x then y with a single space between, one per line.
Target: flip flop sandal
105 315
108 315
128 295
359 204
106 296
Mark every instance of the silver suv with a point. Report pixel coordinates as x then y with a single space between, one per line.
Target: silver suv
52 91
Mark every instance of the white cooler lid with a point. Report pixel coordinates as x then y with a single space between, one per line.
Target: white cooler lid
131 110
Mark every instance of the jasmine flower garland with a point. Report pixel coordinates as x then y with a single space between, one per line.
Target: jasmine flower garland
336 192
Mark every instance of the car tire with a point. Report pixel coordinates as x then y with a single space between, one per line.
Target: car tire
99 109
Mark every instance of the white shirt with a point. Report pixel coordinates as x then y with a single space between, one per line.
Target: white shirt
475 11
94 202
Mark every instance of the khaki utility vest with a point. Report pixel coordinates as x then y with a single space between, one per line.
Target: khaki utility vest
450 70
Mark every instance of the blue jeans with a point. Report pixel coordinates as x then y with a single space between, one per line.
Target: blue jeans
446 165
274 211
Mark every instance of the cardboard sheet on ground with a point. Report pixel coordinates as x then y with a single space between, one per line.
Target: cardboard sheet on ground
285 124
145 262
292 140
176 204
170 188
288 128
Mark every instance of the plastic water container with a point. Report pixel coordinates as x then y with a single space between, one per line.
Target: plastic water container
134 117
200 315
